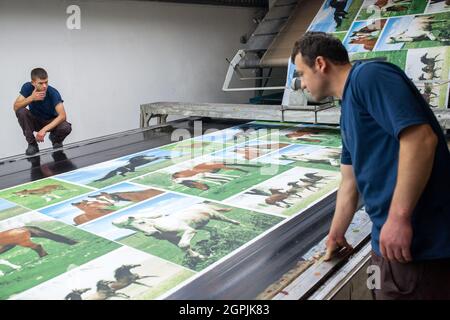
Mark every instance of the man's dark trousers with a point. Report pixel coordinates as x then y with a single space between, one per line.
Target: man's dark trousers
31 123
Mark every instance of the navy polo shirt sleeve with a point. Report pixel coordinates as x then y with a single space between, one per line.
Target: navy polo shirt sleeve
55 97
390 97
345 155
27 89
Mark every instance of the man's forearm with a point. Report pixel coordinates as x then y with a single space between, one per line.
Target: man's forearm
346 204
416 159
21 104
54 123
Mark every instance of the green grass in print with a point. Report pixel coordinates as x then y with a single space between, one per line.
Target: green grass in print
11 212
196 148
42 193
214 241
244 180
61 257
396 57
415 7
340 35
165 286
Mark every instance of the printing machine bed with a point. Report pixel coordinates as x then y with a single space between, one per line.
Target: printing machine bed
265 269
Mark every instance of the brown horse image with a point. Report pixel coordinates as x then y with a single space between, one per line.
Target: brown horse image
392 5
276 197
91 210
22 237
132 196
368 42
208 172
307 135
370 28
44 192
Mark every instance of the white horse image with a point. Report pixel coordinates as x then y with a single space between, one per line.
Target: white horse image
327 156
178 227
419 29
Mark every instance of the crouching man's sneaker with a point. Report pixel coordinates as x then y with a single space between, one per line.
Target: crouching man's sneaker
32 149
57 145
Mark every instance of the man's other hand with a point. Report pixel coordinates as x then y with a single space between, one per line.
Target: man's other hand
395 239
40 136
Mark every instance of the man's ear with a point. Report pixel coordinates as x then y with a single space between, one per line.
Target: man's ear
320 63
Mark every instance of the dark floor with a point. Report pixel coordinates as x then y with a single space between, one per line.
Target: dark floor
21 169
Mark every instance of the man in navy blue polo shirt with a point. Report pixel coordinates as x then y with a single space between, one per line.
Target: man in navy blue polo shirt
45 114
395 156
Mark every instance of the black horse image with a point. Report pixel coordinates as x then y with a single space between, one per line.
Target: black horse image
133 163
124 277
76 294
339 11
106 289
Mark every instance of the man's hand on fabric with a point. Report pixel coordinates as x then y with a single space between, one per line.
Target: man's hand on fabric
336 244
395 239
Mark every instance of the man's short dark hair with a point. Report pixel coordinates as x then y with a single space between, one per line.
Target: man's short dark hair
314 44
38 73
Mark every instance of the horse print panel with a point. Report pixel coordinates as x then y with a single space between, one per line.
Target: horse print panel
185 230
305 134
97 204
122 274
210 177
374 9
289 192
124 168
42 193
364 35
36 248
335 15
412 32
161 215
302 155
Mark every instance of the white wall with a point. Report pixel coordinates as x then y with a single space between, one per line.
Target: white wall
126 53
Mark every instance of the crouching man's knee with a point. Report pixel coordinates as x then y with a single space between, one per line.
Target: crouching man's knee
22 113
65 128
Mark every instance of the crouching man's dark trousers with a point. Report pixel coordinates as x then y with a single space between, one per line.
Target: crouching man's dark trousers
31 123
